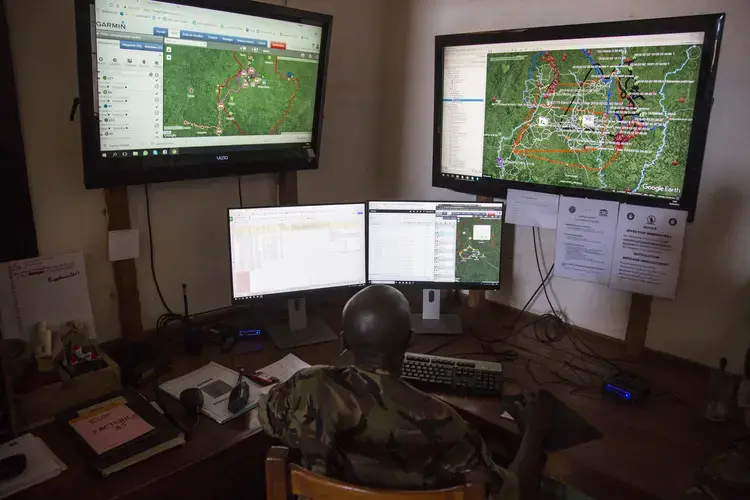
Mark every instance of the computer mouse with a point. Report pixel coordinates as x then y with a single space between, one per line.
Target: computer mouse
192 400
12 466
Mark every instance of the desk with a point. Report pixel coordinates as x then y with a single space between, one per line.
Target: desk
647 453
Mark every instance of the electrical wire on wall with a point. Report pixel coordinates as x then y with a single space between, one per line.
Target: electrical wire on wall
581 370
239 190
151 251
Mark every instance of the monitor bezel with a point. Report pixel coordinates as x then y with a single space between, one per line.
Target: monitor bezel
711 24
443 285
298 293
206 164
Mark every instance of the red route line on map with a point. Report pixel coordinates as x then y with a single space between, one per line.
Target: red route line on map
291 99
219 101
573 165
584 150
620 139
526 126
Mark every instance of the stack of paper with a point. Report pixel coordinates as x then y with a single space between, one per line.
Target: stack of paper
216 383
41 464
283 370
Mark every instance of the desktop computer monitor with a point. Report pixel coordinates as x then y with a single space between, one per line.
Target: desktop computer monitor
616 111
455 245
286 251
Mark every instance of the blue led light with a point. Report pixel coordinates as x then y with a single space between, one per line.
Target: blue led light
620 392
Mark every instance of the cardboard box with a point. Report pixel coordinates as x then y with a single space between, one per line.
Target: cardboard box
42 405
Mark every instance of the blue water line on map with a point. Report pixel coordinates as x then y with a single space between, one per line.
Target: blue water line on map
593 65
534 62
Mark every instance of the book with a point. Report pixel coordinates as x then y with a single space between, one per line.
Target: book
112 426
163 435
41 464
216 383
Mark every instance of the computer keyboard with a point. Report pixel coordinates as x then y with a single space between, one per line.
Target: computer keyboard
461 376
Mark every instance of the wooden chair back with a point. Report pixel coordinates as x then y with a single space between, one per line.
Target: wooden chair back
283 481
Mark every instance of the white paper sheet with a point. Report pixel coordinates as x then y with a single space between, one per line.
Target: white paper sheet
527 208
123 245
648 251
284 368
41 464
585 239
52 289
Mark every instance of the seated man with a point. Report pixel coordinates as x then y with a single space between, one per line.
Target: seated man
362 424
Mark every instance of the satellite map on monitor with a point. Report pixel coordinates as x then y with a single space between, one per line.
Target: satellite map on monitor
216 92
478 249
610 119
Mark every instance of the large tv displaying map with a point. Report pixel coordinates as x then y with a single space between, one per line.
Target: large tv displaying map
198 88
612 110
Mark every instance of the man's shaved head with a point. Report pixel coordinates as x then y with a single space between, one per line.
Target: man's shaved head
377 327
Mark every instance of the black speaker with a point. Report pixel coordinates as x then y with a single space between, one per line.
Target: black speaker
192 338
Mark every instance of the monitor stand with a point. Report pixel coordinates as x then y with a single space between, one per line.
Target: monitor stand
431 321
298 331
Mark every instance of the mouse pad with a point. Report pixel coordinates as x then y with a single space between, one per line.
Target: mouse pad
567 428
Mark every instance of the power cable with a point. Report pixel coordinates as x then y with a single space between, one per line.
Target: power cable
151 252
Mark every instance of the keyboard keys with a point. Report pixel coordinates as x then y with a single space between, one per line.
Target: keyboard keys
451 375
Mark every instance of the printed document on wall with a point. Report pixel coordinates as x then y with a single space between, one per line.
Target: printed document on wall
51 289
527 208
648 250
585 239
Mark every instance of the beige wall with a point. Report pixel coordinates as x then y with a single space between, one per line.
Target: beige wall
709 319
188 217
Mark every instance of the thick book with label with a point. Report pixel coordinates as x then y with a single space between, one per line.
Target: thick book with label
122 429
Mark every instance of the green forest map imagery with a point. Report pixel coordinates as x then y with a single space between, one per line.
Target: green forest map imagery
213 92
478 250
615 119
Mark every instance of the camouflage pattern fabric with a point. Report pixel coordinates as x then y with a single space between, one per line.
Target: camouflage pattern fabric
373 429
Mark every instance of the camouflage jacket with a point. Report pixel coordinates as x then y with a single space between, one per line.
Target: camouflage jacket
373 429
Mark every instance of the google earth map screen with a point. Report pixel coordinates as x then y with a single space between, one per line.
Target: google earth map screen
435 243
172 79
607 114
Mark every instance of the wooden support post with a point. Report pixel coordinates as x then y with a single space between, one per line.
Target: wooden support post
635 335
288 188
126 279
478 298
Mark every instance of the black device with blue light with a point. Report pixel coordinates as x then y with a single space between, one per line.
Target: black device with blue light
626 387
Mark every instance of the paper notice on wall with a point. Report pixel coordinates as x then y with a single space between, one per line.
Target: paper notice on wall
585 239
648 250
123 245
527 208
51 289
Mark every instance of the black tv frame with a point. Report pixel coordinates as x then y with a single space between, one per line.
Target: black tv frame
444 285
224 160
711 24
302 292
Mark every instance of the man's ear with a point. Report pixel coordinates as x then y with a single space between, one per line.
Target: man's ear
344 344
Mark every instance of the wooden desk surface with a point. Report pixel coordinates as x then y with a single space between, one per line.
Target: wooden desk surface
647 453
